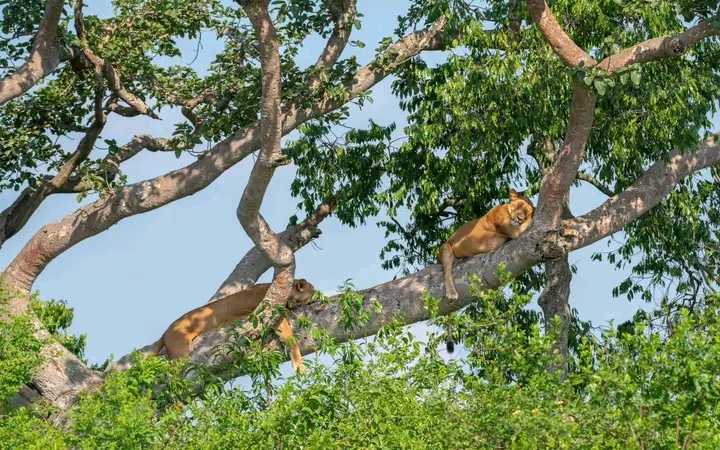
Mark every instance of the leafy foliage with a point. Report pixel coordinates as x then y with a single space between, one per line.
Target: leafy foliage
56 317
635 387
19 349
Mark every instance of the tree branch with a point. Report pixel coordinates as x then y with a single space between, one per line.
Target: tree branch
644 194
556 182
44 57
660 47
254 263
561 43
595 182
342 14
270 157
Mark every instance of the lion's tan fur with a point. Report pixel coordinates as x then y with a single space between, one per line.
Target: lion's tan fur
180 334
486 234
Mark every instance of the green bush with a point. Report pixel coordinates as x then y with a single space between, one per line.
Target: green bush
626 390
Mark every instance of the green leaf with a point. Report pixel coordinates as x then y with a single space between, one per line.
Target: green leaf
600 86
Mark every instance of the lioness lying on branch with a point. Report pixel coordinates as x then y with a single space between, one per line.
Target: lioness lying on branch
484 235
180 334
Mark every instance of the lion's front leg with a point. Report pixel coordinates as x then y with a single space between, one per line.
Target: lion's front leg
285 333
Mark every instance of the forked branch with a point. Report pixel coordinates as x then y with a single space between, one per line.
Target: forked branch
269 158
254 263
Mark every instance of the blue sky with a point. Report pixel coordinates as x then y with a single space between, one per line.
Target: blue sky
130 282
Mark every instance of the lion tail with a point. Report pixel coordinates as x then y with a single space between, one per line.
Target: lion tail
449 342
158 346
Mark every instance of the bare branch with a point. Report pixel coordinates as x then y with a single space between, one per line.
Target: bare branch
44 57
561 43
595 182
109 72
647 191
270 156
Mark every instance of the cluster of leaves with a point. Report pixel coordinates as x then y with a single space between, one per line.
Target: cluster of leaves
56 317
633 387
19 349
141 39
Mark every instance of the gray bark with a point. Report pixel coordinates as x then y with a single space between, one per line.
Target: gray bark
554 301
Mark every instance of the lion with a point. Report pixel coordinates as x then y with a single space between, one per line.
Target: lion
484 235
180 334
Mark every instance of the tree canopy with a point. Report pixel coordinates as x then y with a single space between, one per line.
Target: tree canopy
619 95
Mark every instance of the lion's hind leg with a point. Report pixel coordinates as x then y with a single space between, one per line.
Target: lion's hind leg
178 344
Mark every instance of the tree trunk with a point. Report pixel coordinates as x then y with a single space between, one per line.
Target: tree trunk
554 301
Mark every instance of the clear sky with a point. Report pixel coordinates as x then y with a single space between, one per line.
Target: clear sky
130 282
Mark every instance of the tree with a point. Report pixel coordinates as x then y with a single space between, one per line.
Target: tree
633 110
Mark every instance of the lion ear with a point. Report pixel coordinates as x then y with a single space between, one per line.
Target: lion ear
514 194
300 285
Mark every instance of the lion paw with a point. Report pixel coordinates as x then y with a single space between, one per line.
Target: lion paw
451 295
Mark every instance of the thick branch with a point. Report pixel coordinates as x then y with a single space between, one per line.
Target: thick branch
556 183
563 46
44 57
270 157
402 298
643 195
660 47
